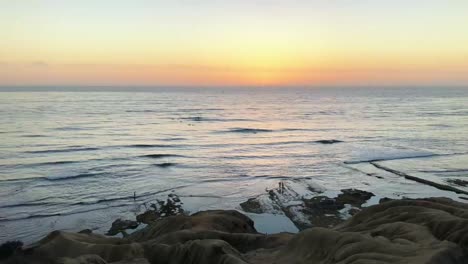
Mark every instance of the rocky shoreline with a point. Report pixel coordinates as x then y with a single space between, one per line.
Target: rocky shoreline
316 211
333 230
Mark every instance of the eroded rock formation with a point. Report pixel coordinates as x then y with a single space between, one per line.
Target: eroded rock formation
433 230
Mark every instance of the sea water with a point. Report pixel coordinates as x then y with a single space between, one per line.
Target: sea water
76 158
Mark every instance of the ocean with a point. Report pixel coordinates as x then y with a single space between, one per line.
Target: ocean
76 158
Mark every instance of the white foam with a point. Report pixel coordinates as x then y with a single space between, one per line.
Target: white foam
372 153
344 213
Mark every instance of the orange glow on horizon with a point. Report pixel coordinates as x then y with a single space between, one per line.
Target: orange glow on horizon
232 43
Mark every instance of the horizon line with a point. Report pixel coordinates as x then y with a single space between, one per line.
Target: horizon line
158 86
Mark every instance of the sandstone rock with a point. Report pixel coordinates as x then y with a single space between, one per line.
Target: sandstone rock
226 221
60 244
354 211
422 231
84 259
207 251
252 205
320 245
148 217
86 231
353 197
385 199
120 225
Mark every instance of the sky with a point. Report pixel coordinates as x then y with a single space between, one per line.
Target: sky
233 43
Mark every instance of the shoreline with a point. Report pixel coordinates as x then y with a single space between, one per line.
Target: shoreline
294 205
430 230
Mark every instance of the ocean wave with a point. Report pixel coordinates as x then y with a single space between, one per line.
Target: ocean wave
201 196
409 156
70 128
331 141
160 156
392 158
62 150
32 216
47 163
271 177
23 179
143 111
295 129
448 113
55 162
420 180
58 178
166 164
236 157
82 175
90 202
249 130
440 125
207 119
130 198
179 110
24 205
446 171
61 162
243 177
33 136
328 141
150 146
263 130
285 142
175 139
199 109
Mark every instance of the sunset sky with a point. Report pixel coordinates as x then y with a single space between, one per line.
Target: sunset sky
229 43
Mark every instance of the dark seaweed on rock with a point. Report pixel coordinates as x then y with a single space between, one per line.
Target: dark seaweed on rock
162 208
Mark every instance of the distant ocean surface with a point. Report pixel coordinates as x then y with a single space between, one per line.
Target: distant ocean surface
72 160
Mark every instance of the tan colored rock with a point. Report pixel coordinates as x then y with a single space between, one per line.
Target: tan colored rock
424 231
226 221
59 244
84 259
320 245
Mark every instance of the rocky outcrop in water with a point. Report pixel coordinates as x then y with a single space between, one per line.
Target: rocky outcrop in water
308 209
433 230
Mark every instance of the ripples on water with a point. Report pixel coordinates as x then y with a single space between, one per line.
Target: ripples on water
73 160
